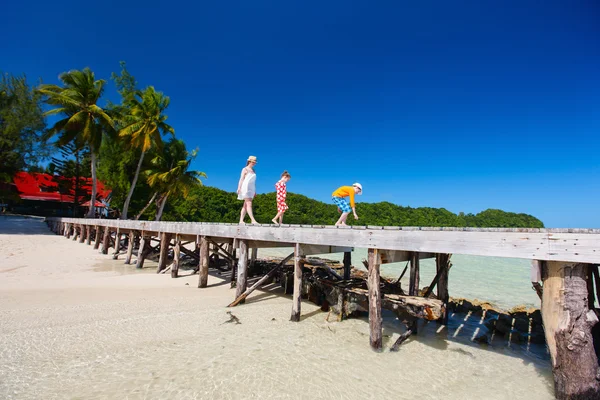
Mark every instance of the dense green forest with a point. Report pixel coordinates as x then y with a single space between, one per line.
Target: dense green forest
130 148
215 205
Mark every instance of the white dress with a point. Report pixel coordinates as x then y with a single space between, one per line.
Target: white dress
248 187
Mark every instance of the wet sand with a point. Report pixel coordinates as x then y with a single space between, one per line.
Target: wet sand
74 324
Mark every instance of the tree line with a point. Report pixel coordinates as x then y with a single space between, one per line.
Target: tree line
132 149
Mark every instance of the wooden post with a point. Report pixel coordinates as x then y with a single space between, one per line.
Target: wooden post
67 230
568 323
115 254
347 265
413 288
98 237
88 237
106 240
234 264
130 247
142 251
82 234
297 296
242 273
442 265
76 231
375 319
203 263
165 241
176 257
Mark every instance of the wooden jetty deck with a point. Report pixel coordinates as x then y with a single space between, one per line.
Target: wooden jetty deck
564 271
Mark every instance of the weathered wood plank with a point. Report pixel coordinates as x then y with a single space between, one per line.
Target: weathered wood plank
573 245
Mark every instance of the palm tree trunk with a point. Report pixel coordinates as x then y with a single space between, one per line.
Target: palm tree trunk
147 205
92 212
132 188
163 201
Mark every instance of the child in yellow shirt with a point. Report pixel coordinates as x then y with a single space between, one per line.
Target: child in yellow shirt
343 207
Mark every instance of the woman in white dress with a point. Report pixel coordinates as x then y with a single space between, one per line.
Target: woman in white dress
247 189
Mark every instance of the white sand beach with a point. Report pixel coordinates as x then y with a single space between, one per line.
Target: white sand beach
75 324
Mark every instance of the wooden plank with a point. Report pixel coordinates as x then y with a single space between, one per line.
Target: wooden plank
392 256
176 257
297 295
375 318
576 245
568 326
203 264
312 249
242 272
413 288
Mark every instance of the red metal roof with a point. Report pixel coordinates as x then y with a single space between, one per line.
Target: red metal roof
45 187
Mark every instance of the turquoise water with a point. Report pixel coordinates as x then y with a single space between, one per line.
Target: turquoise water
505 282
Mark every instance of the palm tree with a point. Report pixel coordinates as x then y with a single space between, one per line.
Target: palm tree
85 123
143 126
170 176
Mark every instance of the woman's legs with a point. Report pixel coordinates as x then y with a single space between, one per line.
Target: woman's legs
248 204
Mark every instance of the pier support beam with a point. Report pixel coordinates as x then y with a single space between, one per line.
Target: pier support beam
242 272
82 233
176 257
117 244
347 264
88 236
97 237
297 296
76 230
203 263
142 251
443 265
568 324
130 244
413 287
165 242
375 319
106 240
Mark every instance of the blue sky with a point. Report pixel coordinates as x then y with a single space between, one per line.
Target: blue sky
466 105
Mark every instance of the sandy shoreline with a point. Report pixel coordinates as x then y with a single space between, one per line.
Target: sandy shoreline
75 324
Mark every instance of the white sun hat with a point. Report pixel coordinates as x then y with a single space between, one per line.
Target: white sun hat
358 185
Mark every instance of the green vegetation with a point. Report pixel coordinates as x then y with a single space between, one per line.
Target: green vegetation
123 145
22 125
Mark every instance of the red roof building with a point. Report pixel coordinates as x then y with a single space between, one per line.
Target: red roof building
45 187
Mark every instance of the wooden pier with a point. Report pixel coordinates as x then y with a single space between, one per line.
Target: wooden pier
564 271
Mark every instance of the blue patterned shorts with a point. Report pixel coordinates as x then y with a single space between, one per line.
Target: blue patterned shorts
342 204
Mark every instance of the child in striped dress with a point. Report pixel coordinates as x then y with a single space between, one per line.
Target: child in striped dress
281 194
